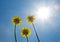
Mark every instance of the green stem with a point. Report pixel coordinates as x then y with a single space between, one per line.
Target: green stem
15 34
27 38
36 33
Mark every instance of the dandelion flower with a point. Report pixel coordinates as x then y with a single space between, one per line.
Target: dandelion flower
16 20
25 32
30 19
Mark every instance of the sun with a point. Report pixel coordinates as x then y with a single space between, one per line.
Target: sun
43 13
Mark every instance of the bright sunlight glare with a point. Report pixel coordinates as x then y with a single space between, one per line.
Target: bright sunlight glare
43 13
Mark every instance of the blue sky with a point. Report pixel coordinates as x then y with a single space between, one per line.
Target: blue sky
47 31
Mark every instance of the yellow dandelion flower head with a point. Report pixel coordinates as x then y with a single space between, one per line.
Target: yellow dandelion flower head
16 20
25 32
30 19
